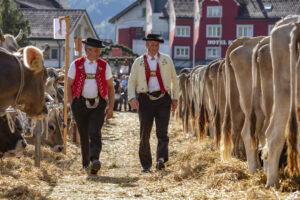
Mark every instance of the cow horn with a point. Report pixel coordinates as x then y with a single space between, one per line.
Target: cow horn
19 36
46 50
2 36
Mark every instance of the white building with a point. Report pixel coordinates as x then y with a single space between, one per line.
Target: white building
133 19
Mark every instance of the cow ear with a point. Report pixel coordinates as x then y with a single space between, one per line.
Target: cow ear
33 58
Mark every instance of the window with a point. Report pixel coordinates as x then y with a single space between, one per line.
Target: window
144 12
182 31
270 27
214 11
213 31
244 31
213 52
54 53
182 52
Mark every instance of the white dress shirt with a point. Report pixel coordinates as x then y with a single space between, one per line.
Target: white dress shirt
90 89
153 81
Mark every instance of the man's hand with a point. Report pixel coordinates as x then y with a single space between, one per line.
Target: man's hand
174 105
134 104
109 113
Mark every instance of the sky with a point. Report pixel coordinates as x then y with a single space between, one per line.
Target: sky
100 11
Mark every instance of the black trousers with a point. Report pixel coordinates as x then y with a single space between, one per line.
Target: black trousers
89 122
150 110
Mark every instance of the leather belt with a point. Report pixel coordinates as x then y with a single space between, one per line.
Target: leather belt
88 102
155 95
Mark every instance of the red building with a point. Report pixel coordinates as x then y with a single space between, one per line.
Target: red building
221 22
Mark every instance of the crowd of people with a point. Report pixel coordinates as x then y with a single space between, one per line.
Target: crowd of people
121 93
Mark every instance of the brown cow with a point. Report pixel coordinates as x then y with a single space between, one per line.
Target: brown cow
240 58
10 42
279 46
50 129
22 81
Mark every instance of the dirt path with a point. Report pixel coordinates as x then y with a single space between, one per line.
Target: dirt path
193 172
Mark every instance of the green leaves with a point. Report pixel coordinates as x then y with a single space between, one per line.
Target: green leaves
11 21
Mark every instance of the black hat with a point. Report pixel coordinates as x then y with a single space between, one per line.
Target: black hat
93 42
154 37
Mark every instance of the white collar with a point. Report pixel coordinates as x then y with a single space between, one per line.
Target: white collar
89 61
149 57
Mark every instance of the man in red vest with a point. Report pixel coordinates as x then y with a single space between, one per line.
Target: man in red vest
153 77
90 82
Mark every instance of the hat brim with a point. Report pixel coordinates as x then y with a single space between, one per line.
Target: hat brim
94 44
152 39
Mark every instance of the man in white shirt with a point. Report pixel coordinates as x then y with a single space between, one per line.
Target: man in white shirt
90 82
153 77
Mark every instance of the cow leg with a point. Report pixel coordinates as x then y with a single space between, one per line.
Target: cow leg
275 142
237 125
192 124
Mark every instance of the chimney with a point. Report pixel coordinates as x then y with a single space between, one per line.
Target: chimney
63 3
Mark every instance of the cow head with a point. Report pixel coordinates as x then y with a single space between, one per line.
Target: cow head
54 138
9 42
35 75
11 144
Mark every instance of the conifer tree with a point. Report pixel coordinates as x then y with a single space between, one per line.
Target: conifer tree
11 21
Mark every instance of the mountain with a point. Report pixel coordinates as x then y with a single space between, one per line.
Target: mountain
100 11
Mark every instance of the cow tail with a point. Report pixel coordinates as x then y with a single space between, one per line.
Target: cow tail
292 124
217 119
202 117
226 134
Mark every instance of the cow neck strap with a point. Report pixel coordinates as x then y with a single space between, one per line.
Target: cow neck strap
21 84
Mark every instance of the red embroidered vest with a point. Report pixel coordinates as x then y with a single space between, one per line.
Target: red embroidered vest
80 77
158 75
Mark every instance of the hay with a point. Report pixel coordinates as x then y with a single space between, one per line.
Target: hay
194 171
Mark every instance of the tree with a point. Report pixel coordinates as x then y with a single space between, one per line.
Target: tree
11 21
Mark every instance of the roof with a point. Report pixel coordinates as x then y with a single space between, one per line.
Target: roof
256 9
157 6
126 10
249 9
41 20
39 4
183 9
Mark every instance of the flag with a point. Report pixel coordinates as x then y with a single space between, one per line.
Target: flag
148 17
197 18
172 21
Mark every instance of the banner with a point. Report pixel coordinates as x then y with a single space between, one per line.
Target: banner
172 21
59 29
148 17
197 18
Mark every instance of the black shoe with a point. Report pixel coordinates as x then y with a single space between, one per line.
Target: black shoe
160 164
145 169
96 165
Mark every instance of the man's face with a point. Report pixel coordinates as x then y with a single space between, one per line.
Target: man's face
153 47
93 53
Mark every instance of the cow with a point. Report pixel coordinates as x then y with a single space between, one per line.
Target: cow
215 89
183 109
233 115
50 129
11 143
239 55
10 42
22 81
275 133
